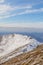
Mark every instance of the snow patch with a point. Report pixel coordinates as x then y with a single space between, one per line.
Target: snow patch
11 42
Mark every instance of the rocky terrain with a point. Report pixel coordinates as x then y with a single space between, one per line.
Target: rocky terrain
16 49
34 57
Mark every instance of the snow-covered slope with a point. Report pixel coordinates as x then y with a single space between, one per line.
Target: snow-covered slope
9 43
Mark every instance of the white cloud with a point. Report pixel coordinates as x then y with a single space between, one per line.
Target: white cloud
24 7
28 25
31 11
1 1
6 10
24 12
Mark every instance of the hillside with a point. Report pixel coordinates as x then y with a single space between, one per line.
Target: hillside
17 49
34 57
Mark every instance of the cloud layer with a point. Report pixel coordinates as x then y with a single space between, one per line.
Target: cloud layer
23 25
1 1
8 10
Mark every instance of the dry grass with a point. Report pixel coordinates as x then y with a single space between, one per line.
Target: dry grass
34 57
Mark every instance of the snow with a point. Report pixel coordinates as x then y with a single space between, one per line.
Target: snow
11 42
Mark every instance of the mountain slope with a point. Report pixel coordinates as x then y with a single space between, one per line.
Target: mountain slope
34 57
15 44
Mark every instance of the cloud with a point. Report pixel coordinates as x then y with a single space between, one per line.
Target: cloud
21 13
24 7
7 10
31 11
2 1
27 25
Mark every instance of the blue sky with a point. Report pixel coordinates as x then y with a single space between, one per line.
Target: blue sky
24 13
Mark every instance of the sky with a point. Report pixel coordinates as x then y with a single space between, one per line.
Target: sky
21 13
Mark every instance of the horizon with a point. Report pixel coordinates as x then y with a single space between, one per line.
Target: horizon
23 25
20 29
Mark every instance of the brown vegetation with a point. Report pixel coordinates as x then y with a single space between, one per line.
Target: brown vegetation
34 57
